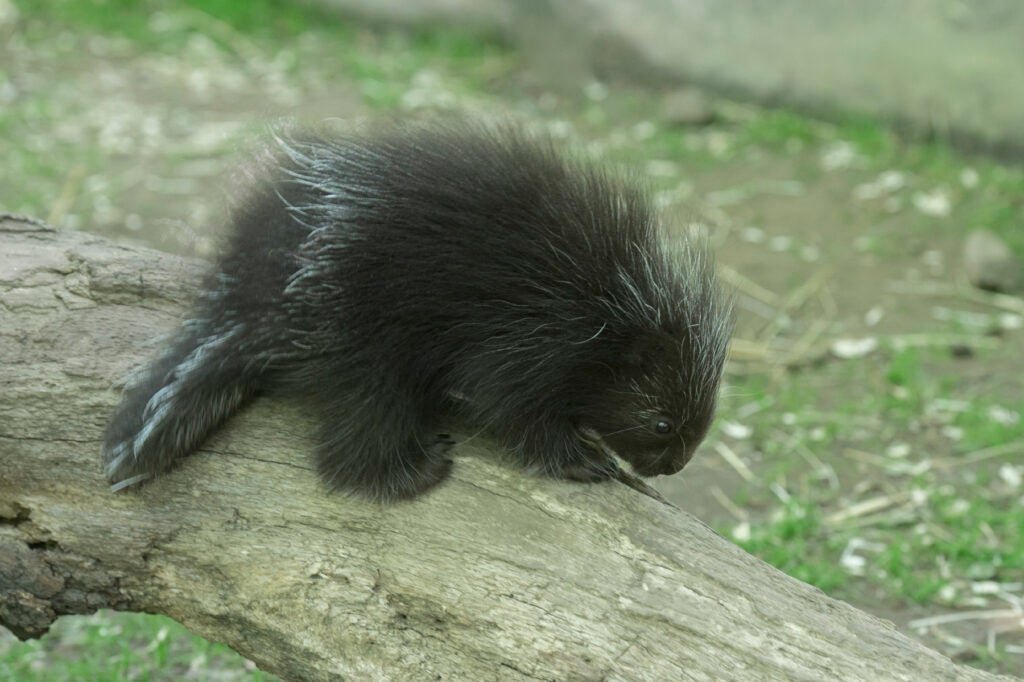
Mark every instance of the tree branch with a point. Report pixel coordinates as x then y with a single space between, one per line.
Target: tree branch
495 575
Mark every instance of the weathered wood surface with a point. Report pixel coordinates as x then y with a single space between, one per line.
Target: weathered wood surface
495 575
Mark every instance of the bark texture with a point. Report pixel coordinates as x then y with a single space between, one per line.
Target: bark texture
495 575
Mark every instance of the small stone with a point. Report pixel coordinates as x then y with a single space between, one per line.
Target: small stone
1002 415
961 350
990 264
736 430
8 12
741 533
873 316
839 155
846 349
935 204
969 178
596 91
644 130
1010 322
898 450
687 107
1011 475
754 235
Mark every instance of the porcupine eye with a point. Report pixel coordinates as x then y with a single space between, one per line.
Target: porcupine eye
662 426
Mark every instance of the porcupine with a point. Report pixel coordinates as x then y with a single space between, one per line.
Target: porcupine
413 272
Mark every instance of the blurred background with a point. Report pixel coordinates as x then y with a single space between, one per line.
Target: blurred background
857 167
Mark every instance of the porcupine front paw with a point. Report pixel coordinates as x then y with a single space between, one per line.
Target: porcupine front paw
432 470
592 460
590 470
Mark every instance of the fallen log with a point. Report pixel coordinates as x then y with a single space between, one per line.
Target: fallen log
494 575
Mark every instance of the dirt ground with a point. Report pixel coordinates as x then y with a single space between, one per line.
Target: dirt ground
863 368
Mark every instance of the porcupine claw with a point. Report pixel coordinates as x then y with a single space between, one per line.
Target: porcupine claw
594 439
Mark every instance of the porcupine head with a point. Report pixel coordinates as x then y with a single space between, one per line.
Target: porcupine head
654 399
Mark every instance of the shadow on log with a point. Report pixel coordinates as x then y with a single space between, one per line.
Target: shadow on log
495 575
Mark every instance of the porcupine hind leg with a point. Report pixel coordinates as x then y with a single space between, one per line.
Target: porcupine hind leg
176 403
377 439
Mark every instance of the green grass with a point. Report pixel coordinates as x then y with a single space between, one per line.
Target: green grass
388 57
144 22
777 129
110 646
796 543
254 41
959 539
957 528
995 202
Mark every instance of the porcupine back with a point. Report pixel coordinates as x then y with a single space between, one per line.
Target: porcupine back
380 274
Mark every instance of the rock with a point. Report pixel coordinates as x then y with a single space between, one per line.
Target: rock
687 107
990 264
846 349
901 61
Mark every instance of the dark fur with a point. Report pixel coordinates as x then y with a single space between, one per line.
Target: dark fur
397 276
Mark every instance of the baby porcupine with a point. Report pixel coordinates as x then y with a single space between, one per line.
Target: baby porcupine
395 276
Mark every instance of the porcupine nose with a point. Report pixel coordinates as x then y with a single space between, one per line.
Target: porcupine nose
676 464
